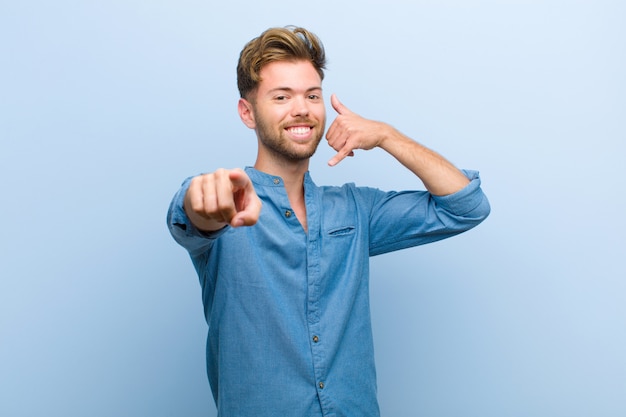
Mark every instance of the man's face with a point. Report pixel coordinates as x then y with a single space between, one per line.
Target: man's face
288 110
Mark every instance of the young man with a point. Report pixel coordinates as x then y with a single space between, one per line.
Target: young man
283 263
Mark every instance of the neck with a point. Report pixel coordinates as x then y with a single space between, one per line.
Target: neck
292 173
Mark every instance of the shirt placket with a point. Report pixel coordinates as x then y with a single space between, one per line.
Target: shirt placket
316 335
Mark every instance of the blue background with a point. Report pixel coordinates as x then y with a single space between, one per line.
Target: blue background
106 106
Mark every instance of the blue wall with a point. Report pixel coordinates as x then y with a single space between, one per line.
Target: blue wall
105 107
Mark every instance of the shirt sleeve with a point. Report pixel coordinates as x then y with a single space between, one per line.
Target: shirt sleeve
400 220
181 228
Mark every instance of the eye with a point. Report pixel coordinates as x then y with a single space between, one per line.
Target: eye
314 97
280 98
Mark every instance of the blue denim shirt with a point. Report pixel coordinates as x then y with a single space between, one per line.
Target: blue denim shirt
288 311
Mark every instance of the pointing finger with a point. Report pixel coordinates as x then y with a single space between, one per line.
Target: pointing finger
239 179
250 213
247 203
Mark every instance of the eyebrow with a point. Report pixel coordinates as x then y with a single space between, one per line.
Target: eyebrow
289 89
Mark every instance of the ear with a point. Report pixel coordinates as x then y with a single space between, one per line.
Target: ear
246 113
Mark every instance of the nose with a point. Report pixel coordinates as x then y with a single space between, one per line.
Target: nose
300 107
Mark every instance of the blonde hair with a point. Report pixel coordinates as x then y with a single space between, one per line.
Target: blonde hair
277 44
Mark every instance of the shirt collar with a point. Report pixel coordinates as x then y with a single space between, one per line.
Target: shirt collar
267 180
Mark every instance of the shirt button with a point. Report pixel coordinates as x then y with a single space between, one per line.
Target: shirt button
316 339
321 385
276 181
288 213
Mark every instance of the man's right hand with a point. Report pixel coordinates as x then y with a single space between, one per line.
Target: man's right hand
223 197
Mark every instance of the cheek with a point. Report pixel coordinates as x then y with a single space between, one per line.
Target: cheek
266 118
323 118
276 116
320 113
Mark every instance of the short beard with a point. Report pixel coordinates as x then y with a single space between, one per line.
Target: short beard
279 145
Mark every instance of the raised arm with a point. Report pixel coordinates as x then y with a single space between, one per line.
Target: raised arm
223 197
350 131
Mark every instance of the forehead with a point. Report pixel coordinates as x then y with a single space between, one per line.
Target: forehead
293 75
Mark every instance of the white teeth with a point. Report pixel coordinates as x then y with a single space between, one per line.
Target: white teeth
299 130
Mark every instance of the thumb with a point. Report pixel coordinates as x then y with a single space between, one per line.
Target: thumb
338 105
249 214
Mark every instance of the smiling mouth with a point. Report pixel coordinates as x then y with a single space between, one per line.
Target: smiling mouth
299 130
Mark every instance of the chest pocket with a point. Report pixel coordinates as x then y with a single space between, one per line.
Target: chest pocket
341 231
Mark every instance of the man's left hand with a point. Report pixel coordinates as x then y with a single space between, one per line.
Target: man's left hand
349 131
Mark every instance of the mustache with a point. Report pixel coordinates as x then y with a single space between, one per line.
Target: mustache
305 121
301 121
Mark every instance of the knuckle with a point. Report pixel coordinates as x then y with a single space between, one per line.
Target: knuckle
195 206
